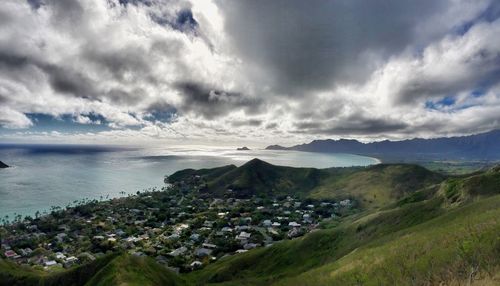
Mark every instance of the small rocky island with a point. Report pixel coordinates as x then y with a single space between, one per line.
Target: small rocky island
244 148
3 165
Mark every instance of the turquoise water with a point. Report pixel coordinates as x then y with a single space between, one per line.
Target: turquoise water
45 176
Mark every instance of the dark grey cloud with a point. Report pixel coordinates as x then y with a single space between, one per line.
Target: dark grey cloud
305 45
61 79
125 98
35 4
11 60
250 122
3 99
71 82
136 2
351 67
353 125
481 70
210 102
66 12
67 81
161 111
271 125
128 63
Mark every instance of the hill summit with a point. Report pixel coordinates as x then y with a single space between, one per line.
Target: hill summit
373 186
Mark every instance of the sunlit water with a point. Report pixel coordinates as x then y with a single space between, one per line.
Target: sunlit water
41 178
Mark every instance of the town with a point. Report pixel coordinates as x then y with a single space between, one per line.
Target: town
174 224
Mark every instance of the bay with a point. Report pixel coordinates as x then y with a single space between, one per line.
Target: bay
42 176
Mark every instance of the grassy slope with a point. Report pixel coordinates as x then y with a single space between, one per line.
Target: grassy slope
459 190
130 270
373 186
426 237
289 258
110 270
259 177
378 185
208 173
418 240
446 249
12 274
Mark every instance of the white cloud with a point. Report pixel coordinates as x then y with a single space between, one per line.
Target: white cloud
12 119
227 80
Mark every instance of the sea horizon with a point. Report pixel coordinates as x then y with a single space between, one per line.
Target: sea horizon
42 176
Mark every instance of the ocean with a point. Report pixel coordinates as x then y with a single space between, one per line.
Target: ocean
43 176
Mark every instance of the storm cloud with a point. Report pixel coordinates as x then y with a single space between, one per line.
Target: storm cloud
211 103
255 70
303 46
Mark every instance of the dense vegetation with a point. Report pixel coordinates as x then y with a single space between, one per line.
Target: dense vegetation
372 186
416 228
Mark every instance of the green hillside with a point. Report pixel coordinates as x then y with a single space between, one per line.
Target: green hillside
373 186
378 185
259 177
415 228
131 270
461 247
116 269
418 241
459 190
12 274
208 174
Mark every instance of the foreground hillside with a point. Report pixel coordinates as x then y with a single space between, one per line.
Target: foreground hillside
419 229
111 270
427 238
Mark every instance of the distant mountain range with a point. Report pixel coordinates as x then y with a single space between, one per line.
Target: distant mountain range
484 146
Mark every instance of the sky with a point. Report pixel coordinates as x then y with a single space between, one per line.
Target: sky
251 71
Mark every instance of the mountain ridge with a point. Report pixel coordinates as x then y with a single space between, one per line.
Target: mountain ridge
483 146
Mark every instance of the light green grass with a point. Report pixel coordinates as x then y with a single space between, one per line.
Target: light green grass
131 270
461 245
416 233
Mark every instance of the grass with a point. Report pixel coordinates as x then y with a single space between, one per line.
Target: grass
459 247
373 187
417 240
115 269
131 270
378 185
267 265
257 177
12 274
416 231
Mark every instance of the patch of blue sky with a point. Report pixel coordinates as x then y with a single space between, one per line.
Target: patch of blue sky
66 123
184 21
478 92
443 103
490 14
449 103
